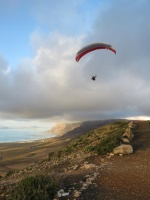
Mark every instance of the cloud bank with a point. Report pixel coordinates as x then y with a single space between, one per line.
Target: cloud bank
53 85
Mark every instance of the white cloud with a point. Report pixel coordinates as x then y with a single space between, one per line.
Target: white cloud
3 65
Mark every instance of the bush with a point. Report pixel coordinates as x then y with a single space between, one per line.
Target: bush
50 155
68 149
90 148
37 187
59 153
9 173
107 145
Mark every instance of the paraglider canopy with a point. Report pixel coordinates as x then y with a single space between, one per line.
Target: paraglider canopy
93 47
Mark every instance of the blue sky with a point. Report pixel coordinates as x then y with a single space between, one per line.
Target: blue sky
17 24
40 81
19 19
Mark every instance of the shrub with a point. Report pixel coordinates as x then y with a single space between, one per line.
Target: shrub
90 148
75 144
68 149
50 155
37 187
9 173
59 153
108 143
121 124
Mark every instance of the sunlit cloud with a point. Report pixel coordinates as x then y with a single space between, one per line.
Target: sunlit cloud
50 85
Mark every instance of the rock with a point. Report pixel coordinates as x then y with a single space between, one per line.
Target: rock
88 166
87 176
123 149
128 134
76 193
61 190
75 167
96 174
83 188
111 154
88 182
102 159
59 193
85 185
65 194
131 125
125 140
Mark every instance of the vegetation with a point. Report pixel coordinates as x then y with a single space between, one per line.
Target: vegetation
59 153
101 140
112 139
9 173
107 144
50 155
37 187
90 148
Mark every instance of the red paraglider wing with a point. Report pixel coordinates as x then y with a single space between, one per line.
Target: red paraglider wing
93 47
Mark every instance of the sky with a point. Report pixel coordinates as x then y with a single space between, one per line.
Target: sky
40 81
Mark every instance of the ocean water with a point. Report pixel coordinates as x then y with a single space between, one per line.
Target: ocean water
20 135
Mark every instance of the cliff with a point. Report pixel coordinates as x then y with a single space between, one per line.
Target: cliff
76 129
62 128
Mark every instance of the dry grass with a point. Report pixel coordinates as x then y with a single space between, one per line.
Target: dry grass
17 156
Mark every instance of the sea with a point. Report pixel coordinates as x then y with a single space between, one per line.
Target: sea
23 135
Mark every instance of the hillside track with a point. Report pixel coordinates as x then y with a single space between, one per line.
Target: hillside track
125 177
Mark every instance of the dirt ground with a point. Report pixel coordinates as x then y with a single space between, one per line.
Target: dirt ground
17 156
120 177
127 177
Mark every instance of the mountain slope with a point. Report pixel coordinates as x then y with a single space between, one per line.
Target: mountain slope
83 127
86 175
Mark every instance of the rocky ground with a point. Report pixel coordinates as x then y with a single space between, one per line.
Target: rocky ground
88 176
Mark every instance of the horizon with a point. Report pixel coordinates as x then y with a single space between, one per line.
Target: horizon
48 126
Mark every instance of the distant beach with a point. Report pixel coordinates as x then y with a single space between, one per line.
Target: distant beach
23 135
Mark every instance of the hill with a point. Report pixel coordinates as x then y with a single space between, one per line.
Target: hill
74 130
62 128
17 156
83 173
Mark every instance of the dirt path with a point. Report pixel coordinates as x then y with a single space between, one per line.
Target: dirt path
127 177
142 136
119 177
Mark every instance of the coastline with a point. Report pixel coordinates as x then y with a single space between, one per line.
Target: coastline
28 141
24 136
19 155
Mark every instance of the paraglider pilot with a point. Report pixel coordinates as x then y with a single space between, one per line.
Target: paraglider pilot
93 78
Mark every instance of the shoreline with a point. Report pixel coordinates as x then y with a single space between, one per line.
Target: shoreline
19 155
28 141
23 136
